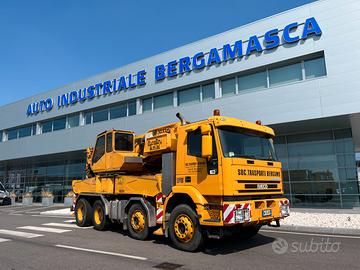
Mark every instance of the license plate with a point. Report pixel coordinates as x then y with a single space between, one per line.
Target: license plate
266 213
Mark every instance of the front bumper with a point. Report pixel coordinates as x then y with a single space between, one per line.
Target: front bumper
255 211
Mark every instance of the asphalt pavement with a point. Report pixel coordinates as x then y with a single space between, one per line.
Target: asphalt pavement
29 240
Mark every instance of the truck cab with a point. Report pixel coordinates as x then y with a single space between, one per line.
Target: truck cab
228 161
114 152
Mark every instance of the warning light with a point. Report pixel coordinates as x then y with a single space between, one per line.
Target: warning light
258 122
216 112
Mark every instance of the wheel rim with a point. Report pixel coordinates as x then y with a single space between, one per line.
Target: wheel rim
80 213
137 221
184 228
98 215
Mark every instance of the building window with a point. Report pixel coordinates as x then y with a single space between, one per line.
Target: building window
100 115
191 95
208 92
253 81
319 168
315 68
12 134
73 121
34 129
59 123
25 131
118 111
163 101
285 74
132 107
88 118
228 87
46 126
147 104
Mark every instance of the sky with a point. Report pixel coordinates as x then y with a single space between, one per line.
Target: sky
46 44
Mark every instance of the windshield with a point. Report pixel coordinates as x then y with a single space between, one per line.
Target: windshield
124 142
239 142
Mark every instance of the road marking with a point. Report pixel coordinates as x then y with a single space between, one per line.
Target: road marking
103 252
314 234
43 229
15 208
65 225
4 240
33 207
20 234
11 214
47 216
70 221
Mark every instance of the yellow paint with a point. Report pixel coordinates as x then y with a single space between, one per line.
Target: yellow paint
80 213
98 215
184 228
159 232
137 221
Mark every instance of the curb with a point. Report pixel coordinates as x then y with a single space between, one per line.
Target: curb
307 229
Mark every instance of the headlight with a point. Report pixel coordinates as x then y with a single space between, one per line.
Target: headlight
242 215
284 210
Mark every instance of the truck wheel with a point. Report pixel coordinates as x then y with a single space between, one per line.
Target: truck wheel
83 212
137 222
184 229
99 219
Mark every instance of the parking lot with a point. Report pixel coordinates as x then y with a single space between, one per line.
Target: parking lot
31 240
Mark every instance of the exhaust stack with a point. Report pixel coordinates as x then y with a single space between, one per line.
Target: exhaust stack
182 119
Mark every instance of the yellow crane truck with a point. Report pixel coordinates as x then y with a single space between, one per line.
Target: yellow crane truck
185 180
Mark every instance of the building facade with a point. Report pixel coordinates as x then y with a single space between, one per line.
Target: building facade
291 70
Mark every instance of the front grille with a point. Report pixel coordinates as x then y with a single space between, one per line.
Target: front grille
258 186
258 190
258 181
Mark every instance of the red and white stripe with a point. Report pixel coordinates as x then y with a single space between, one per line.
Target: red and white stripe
159 198
229 212
284 202
159 215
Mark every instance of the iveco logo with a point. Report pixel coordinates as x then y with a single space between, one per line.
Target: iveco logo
262 186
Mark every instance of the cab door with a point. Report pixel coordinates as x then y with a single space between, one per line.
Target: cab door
192 168
98 158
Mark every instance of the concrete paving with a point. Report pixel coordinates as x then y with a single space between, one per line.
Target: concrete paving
29 240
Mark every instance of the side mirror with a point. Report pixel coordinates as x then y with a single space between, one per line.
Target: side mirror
206 142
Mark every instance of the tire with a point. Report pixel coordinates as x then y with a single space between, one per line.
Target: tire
99 219
247 232
137 222
184 229
83 213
